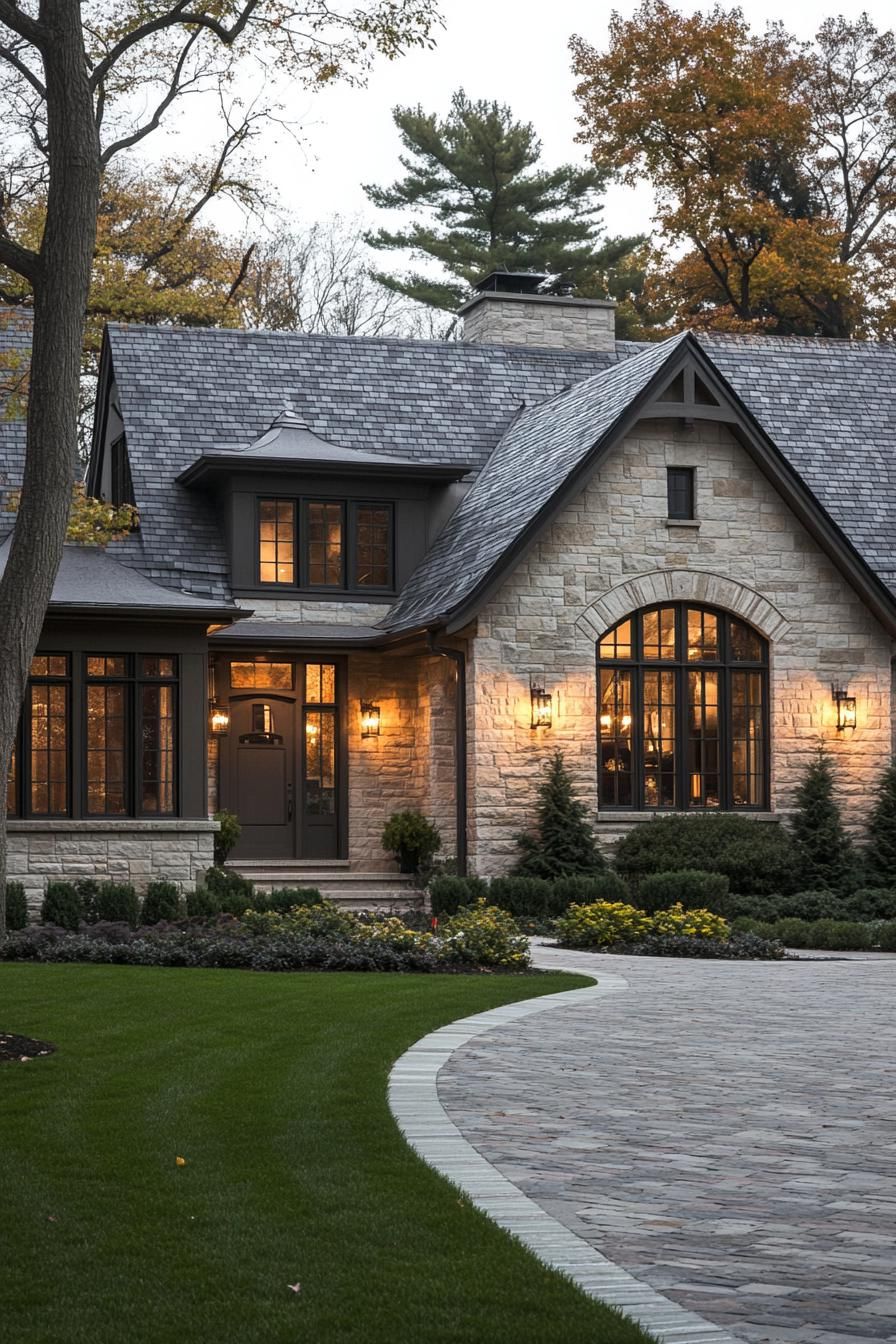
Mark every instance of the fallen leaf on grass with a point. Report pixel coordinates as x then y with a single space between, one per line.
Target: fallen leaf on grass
180 1161
294 1287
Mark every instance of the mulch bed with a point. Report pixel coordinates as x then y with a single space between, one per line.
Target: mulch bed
22 1048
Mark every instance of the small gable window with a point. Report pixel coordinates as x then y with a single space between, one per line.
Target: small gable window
680 492
339 545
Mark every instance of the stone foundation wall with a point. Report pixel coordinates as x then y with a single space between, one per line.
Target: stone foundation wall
612 551
127 851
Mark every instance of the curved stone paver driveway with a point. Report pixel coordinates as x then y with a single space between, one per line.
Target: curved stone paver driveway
725 1131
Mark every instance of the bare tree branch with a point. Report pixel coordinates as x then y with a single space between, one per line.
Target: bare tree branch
23 24
11 57
177 15
175 87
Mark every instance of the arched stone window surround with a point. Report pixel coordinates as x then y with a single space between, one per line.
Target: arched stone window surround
683 585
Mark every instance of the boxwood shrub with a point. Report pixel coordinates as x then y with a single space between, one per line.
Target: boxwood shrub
61 905
116 902
688 887
447 893
886 937
16 906
161 903
758 858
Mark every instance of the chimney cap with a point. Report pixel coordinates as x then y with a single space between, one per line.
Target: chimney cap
503 281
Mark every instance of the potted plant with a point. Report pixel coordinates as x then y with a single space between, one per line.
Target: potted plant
412 839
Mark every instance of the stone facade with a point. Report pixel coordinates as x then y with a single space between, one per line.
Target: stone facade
542 320
411 763
126 851
613 550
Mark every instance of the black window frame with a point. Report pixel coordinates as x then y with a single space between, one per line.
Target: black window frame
350 510
121 482
22 746
726 666
133 679
681 494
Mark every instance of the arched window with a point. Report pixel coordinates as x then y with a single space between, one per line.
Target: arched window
683 711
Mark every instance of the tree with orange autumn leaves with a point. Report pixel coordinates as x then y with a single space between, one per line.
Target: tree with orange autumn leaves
773 163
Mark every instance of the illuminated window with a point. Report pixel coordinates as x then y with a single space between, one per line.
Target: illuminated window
683 711
346 545
276 541
319 715
130 738
46 719
260 674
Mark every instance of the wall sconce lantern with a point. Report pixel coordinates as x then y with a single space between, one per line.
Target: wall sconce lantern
542 706
846 707
370 719
218 719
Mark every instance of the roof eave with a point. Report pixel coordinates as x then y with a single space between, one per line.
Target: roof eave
214 466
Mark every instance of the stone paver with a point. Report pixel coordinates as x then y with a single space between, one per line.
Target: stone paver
724 1131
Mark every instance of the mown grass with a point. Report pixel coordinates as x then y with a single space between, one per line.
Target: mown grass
274 1090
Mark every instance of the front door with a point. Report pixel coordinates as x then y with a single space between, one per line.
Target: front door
262 775
281 764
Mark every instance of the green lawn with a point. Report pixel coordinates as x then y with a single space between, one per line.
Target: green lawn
273 1087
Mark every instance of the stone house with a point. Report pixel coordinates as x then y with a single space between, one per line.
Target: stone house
376 574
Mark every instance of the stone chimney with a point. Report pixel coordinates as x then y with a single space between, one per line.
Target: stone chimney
512 308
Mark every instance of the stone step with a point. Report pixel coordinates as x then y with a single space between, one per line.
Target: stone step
336 881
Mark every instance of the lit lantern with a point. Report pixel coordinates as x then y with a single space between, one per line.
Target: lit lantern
846 707
542 706
218 719
370 719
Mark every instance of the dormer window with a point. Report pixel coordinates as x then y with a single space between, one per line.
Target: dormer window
338 545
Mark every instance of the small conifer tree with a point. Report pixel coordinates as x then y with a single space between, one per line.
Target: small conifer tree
825 850
880 856
563 843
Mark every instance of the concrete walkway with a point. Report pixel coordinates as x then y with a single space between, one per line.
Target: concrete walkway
724 1131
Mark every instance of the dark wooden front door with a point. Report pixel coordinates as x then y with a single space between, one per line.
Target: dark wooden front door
281 765
262 775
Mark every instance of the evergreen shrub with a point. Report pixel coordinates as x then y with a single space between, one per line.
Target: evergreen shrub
870 903
233 893
840 935
61 905
586 887
530 897
824 849
16 906
880 854
447 893
161 903
758 858
116 902
202 903
687 886
563 842
886 937
88 890
286 898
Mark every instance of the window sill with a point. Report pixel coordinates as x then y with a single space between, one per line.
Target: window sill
383 596
611 818
138 824
692 523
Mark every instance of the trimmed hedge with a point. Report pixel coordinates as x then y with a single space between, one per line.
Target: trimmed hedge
447 893
61 906
116 902
758 858
687 887
886 937
822 935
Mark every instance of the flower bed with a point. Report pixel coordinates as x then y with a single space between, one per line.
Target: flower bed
318 937
612 926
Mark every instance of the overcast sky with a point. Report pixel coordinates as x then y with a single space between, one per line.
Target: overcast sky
512 50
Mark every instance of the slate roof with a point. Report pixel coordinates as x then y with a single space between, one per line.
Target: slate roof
551 440
184 390
827 405
89 577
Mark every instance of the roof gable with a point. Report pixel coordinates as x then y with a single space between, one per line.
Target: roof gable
543 459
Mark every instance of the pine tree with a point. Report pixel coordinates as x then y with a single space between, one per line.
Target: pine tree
481 202
563 843
825 850
880 856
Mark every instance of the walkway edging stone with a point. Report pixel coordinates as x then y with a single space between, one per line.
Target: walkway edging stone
427 1127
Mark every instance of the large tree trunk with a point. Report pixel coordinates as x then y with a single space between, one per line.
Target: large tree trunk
60 299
